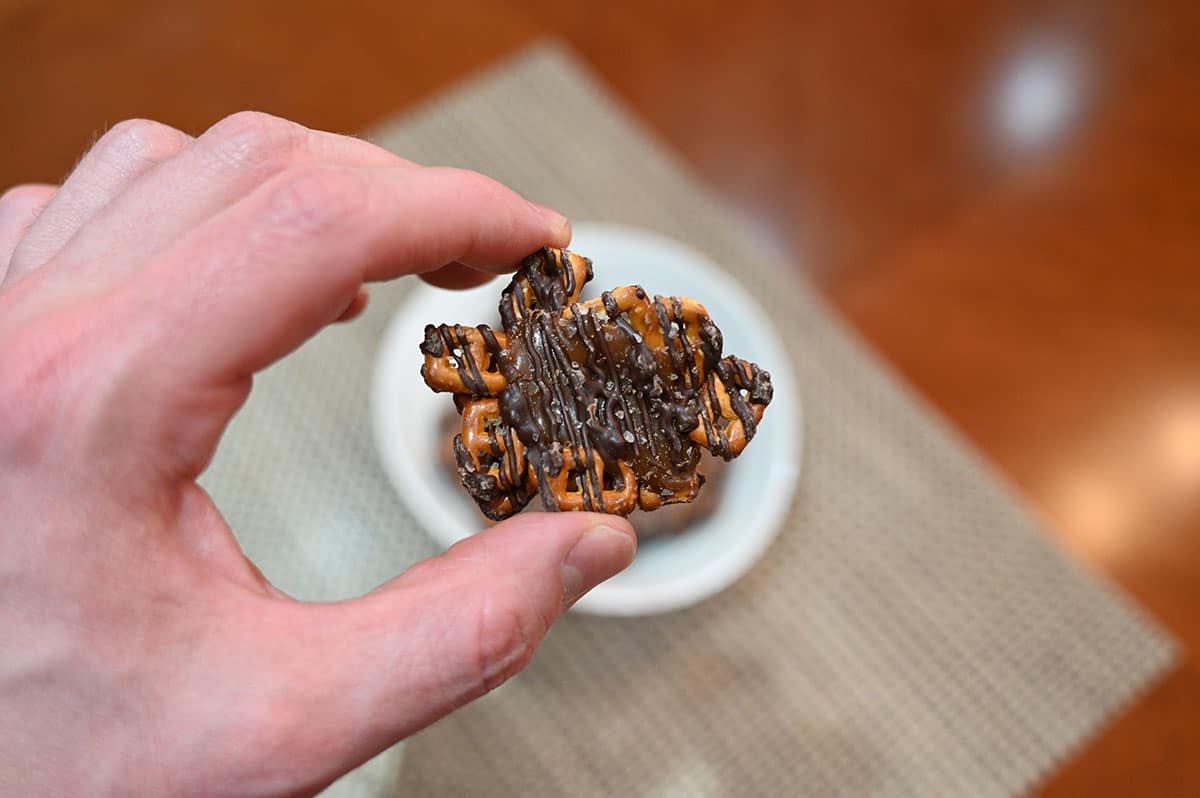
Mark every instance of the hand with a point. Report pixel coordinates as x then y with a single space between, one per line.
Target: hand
140 651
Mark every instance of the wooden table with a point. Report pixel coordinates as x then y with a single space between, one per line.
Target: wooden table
1004 199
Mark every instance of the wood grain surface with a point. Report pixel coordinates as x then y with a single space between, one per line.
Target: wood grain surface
1004 198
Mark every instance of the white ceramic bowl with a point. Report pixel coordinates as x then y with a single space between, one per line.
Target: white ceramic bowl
671 572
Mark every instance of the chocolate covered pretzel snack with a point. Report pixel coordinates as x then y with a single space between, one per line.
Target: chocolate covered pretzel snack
600 405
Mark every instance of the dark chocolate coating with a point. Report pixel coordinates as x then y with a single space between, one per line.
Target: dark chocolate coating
587 382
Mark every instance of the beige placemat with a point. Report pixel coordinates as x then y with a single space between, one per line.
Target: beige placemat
912 632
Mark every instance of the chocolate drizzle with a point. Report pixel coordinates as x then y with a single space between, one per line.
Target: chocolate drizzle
610 389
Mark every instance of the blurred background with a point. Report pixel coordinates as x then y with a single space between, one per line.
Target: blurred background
1002 197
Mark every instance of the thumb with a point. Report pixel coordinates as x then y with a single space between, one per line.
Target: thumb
448 630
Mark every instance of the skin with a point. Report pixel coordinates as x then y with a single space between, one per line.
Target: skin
141 653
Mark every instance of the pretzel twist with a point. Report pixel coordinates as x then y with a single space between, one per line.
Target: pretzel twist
449 372
572 492
724 419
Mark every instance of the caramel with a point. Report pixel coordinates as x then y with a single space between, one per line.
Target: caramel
601 405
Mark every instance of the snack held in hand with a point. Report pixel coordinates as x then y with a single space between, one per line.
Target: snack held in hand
602 405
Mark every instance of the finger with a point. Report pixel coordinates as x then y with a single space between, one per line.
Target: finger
308 240
19 208
119 157
220 167
379 668
356 306
457 276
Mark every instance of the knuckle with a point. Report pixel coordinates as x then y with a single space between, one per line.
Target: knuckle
23 197
473 182
31 369
142 140
315 201
432 569
255 140
507 637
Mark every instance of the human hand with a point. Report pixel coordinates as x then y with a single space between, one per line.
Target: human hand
140 651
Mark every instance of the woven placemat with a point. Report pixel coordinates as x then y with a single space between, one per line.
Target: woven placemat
912 631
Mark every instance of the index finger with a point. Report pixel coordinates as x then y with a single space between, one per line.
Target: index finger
254 282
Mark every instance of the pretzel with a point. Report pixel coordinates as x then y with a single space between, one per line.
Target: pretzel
599 405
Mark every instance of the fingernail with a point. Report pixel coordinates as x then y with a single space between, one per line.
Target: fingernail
600 553
559 225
